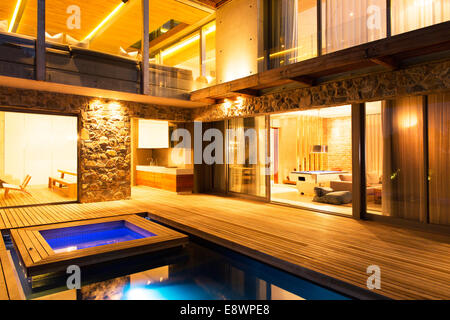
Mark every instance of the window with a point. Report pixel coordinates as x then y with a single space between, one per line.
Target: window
347 23
408 15
194 58
290 32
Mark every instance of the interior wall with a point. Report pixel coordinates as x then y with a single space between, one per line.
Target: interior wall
236 40
38 145
287 146
339 139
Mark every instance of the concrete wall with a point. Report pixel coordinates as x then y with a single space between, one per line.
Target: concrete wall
236 40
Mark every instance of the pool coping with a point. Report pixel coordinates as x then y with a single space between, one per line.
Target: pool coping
38 257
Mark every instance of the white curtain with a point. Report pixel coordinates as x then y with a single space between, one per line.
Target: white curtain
374 144
348 23
38 145
409 15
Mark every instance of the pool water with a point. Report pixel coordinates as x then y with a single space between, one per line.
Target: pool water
199 271
92 235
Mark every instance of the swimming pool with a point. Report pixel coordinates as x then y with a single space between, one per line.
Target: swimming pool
199 271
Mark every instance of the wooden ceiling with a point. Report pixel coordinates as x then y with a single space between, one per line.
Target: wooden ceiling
124 29
212 3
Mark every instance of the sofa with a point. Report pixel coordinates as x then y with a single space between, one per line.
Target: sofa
344 183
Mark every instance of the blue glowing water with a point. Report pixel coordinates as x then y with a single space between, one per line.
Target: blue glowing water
92 235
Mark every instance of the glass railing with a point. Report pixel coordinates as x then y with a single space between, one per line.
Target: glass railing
99 44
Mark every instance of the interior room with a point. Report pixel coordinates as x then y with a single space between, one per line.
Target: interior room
311 163
38 159
158 161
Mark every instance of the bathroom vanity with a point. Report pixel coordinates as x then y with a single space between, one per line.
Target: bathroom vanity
180 180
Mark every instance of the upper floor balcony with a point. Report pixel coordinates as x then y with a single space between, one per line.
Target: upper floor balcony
178 49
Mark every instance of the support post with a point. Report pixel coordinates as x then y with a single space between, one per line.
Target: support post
388 19
359 160
145 48
40 42
319 28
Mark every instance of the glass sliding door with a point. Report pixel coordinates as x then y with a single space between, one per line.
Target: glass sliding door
439 158
312 159
395 165
246 155
38 159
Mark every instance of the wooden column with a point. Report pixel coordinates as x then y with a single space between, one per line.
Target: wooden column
268 156
145 48
40 42
388 19
425 205
319 28
359 160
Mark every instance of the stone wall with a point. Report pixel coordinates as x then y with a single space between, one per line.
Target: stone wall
419 79
104 135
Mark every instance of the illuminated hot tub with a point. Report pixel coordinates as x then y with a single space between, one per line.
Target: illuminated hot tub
53 248
93 235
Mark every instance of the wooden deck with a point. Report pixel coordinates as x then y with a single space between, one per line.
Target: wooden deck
414 264
47 214
9 288
38 195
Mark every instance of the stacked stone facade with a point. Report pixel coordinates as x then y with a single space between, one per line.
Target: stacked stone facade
419 79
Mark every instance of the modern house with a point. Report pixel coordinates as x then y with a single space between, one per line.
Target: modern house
317 128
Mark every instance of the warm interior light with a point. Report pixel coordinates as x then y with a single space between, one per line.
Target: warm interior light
187 41
14 17
101 24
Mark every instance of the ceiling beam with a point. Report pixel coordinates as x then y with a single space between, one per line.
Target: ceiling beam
388 62
306 80
248 92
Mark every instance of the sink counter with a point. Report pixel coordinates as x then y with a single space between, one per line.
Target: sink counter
180 180
166 170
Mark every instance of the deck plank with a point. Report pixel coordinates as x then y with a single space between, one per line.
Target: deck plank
414 263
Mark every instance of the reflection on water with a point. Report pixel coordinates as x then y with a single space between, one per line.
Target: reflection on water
199 271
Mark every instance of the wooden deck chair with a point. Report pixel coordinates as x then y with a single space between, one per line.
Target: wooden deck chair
21 188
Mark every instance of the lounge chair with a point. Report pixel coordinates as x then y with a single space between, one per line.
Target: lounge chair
21 188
